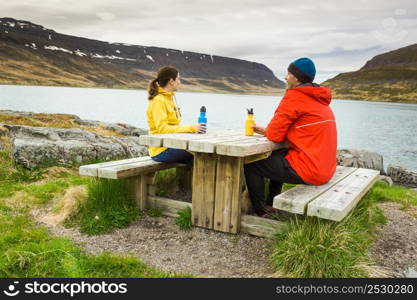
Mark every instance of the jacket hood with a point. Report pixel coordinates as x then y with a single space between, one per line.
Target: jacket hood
164 92
320 94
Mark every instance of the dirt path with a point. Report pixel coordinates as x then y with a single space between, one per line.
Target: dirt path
396 245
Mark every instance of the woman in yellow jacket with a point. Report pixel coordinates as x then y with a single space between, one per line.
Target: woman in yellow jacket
164 116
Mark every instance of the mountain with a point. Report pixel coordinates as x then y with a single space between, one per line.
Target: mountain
390 77
33 55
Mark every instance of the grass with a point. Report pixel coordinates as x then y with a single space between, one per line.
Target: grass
382 192
109 206
166 181
184 219
28 250
154 212
315 247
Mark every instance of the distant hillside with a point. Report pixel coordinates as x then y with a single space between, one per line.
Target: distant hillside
33 55
391 77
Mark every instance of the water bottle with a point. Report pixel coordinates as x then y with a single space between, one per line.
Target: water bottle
249 122
202 119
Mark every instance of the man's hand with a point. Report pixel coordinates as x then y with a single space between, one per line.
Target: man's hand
258 129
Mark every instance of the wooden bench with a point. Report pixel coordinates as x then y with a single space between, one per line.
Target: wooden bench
333 200
140 170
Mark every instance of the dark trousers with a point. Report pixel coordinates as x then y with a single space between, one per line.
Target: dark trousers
278 170
174 156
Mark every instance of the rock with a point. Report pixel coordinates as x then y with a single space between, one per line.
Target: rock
410 273
402 176
386 179
360 159
34 146
124 129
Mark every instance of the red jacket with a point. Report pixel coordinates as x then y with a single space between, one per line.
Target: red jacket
306 122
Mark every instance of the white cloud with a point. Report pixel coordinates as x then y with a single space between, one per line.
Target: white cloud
105 16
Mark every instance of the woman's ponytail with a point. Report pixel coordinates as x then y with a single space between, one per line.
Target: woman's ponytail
153 89
165 74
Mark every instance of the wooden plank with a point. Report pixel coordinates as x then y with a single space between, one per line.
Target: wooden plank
134 169
91 170
182 140
158 139
249 224
204 176
296 199
151 140
228 193
256 157
169 207
261 226
338 201
258 144
208 145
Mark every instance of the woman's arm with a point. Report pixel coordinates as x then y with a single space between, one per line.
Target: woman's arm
160 118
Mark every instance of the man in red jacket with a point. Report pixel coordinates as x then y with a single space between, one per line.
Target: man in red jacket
305 121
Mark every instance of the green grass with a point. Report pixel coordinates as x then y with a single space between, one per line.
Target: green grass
154 212
166 181
29 251
45 192
315 247
382 192
184 219
109 206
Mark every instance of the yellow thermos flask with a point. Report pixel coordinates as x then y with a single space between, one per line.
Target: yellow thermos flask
249 122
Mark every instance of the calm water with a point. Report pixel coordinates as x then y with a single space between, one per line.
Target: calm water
387 128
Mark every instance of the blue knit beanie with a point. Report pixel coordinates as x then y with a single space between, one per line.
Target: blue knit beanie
303 69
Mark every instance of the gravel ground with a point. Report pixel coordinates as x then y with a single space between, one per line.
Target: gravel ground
206 253
199 252
396 245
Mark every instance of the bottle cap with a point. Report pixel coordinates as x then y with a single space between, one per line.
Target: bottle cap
250 111
203 109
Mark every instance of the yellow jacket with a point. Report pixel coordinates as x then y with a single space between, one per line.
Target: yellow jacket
164 117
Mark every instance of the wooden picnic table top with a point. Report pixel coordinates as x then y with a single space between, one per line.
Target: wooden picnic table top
230 143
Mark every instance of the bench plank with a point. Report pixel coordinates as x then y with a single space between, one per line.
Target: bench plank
338 201
296 199
134 169
92 169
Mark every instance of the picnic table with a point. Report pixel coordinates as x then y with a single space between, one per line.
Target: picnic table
217 172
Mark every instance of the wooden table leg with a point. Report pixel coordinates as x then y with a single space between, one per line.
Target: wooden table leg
204 180
228 193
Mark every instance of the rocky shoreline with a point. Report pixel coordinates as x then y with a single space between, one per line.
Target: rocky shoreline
35 146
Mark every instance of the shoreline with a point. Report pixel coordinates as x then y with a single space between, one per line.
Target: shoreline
279 92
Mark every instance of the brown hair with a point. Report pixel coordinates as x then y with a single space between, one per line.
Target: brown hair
165 74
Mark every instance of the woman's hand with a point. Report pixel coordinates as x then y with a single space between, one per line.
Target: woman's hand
258 129
200 128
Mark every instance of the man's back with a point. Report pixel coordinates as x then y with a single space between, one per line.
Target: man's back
305 120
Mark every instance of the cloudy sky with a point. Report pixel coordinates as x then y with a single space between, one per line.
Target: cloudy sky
339 35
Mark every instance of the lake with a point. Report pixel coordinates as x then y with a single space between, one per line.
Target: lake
387 128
